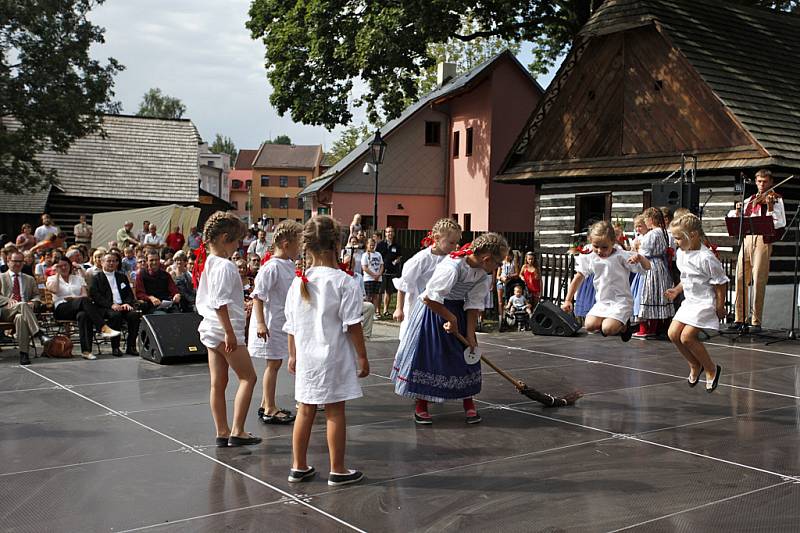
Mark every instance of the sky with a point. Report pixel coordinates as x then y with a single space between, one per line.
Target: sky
200 52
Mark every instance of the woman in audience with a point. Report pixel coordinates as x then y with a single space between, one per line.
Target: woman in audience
26 240
71 302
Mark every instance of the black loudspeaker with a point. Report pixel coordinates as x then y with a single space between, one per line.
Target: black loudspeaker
675 195
549 319
171 338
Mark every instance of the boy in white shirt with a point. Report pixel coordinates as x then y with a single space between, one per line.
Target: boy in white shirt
372 267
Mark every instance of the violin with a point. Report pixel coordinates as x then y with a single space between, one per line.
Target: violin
767 197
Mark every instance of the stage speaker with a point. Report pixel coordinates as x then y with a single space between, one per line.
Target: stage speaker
171 338
549 319
675 195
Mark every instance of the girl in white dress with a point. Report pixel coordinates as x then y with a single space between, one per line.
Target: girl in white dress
323 320
703 284
267 338
611 266
220 300
442 240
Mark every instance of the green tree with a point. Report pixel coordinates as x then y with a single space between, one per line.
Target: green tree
350 138
280 139
159 105
316 50
50 94
224 145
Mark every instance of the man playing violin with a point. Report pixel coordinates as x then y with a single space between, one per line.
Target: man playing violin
755 254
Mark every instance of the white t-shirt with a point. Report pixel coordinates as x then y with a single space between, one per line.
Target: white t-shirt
373 261
271 287
62 289
326 367
156 239
220 285
416 273
700 271
257 247
42 232
518 302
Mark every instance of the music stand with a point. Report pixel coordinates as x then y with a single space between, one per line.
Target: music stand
791 335
741 226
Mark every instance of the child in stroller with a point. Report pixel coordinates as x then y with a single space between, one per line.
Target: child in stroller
518 310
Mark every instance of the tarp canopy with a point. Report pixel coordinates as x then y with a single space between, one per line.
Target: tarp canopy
165 217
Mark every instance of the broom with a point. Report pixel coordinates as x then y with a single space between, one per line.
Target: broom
548 400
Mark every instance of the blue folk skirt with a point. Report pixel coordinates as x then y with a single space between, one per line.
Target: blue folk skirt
585 299
637 287
429 364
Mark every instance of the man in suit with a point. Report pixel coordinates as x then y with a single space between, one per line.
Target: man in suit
111 292
18 297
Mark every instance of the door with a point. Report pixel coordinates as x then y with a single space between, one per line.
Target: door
397 221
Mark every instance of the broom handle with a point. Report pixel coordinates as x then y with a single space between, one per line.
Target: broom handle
494 367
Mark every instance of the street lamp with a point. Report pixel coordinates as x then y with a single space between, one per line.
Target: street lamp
377 149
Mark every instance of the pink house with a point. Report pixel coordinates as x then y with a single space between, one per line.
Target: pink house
442 155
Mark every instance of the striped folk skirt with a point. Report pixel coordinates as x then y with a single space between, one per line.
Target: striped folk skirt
655 304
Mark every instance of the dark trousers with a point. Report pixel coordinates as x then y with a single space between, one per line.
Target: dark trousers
115 320
88 316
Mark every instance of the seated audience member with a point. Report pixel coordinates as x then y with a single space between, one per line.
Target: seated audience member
129 261
175 240
5 254
253 264
167 255
71 302
83 232
259 246
193 241
112 294
25 240
76 258
28 263
153 239
18 296
125 237
97 261
46 229
141 263
155 287
183 280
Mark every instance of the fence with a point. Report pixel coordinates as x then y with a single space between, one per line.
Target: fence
409 239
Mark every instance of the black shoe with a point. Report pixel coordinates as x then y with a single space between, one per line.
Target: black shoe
334 480
222 442
244 441
24 359
697 380
474 419
736 326
755 329
296 476
116 352
627 333
714 383
423 420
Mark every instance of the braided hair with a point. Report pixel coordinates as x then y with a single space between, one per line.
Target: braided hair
320 234
445 226
286 231
491 243
224 222
655 214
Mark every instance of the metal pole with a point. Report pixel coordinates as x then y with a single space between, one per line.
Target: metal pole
375 208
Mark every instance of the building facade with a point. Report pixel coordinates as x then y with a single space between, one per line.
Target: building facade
279 173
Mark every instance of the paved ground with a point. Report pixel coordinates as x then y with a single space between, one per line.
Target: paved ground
125 445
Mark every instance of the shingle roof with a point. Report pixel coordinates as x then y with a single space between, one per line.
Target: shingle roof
32 202
288 156
244 159
138 158
459 83
748 56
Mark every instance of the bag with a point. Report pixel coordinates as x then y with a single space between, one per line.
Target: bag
59 346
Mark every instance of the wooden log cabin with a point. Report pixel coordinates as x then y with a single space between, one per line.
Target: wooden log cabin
647 81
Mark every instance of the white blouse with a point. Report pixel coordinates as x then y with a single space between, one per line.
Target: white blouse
416 273
700 272
63 289
326 367
220 285
454 279
271 287
611 274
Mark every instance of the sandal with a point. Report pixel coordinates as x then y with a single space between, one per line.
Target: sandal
281 416
244 441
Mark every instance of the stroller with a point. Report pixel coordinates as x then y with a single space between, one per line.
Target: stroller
514 317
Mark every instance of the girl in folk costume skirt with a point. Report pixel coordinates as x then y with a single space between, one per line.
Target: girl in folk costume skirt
267 338
656 309
442 240
637 284
703 284
326 349
430 365
611 266
586 297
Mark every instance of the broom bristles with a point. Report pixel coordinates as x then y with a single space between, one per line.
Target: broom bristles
548 400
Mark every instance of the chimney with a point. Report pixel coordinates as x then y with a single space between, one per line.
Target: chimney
445 72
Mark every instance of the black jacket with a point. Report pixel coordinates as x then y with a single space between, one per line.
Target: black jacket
101 294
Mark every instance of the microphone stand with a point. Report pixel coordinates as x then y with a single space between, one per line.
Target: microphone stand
739 245
791 335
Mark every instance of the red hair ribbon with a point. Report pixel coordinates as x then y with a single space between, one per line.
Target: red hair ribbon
267 257
713 248
300 274
199 264
463 251
586 250
670 252
343 266
427 241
